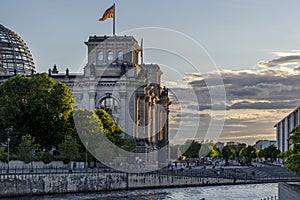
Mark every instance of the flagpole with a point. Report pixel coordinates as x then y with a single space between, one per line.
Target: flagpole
114 20
142 59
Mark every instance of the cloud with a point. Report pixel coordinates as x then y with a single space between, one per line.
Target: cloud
287 53
255 89
256 99
284 58
265 105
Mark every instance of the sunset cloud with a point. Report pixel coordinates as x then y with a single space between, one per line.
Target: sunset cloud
255 100
255 89
284 58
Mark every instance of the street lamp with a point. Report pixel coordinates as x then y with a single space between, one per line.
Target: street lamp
86 146
8 140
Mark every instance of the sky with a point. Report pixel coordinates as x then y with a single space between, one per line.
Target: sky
253 46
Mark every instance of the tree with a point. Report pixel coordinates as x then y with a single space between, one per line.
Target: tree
270 152
69 149
292 156
36 105
238 149
215 152
99 131
3 155
110 128
175 152
27 148
228 152
46 157
205 149
248 153
88 128
191 149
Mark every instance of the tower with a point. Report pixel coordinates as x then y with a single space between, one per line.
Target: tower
130 92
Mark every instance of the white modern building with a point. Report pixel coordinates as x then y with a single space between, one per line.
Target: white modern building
284 127
262 144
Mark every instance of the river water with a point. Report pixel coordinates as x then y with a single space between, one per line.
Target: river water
230 192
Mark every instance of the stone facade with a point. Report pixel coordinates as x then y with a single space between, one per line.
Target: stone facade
20 185
130 92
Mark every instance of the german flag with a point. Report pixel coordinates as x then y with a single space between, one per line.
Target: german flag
109 13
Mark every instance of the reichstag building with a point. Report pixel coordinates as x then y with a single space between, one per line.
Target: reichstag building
113 79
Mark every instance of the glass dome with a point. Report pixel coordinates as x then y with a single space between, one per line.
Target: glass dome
15 56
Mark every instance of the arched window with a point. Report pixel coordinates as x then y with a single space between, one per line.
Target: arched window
120 55
110 105
110 55
100 55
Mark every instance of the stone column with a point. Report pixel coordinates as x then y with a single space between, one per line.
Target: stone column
82 89
123 111
149 120
136 115
146 117
166 128
142 117
92 100
78 99
154 124
161 124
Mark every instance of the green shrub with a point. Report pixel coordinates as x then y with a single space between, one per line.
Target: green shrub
46 157
3 155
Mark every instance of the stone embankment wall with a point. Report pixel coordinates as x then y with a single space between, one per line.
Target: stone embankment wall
31 184
289 191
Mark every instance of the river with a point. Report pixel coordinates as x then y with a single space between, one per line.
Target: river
230 192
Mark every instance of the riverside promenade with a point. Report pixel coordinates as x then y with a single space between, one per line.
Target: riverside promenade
41 181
